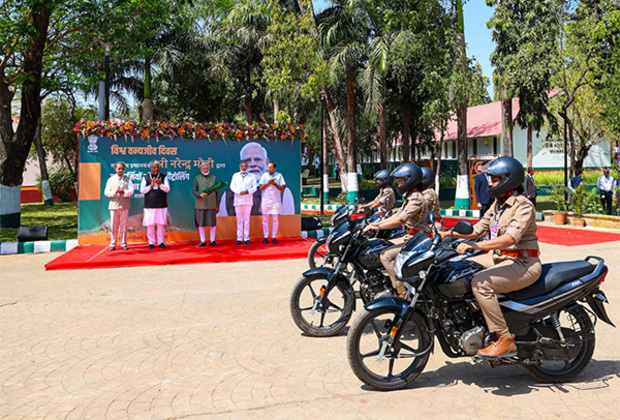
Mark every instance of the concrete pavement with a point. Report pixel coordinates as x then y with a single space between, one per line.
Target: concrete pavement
217 341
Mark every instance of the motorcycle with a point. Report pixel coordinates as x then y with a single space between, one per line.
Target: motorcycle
318 255
389 344
323 299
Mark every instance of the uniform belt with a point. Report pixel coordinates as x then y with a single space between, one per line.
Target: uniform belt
520 253
414 232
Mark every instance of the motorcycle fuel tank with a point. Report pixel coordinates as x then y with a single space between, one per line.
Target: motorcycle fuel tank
368 255
455 278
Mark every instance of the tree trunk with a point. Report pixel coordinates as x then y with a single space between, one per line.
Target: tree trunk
405 132
461 199
352 181
529 146
46 189
325 163
147 104
338 147
276 109
14 147
383 137
507 147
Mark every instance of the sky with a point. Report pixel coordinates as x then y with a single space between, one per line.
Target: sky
477 35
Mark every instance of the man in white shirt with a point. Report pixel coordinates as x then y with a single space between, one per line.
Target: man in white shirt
243 185
155 188
271 184
118 189
605 186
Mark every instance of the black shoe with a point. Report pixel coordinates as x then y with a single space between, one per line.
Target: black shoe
275 241
248 243
265 241
126 248
238 243
162 246
151 246
112 248
200 245
213 243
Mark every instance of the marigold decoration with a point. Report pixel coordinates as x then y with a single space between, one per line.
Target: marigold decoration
189 130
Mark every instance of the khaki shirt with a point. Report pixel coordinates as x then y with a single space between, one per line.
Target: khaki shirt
515 217
386 194
432 202
413 212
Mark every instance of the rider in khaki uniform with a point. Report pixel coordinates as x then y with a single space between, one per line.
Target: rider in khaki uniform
430 196
412 215
386 197
512 261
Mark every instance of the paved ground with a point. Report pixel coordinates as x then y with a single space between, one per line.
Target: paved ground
202 341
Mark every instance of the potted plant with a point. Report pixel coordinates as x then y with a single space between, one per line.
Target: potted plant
578 204
558 198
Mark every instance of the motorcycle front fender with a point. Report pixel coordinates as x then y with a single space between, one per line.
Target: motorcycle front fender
332 276
393 304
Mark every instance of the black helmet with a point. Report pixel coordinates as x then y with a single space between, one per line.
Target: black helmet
384 176
428 177
412 174
510 172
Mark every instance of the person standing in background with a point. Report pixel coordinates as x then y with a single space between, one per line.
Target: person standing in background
481 185
605 186
575 181
206 204
271 184
530 187
118 189
243 185
155 188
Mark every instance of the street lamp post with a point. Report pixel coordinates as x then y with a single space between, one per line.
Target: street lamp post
107 46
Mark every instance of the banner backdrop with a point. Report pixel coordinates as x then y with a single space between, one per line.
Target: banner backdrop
180 160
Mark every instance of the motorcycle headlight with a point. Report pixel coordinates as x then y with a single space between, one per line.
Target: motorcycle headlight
398 266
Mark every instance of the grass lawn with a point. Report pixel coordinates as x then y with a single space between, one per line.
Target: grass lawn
61 219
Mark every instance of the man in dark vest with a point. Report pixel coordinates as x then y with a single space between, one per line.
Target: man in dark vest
481 185
155 188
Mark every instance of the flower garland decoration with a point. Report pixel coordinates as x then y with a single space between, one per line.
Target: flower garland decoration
189 130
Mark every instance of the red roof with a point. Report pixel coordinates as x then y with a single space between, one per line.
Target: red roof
484 120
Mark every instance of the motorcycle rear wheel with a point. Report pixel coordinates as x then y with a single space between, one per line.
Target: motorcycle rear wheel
330 317
403 363
579 322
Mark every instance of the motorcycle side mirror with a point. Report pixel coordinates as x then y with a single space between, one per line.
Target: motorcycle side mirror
360 200
368 212
430 218
463 227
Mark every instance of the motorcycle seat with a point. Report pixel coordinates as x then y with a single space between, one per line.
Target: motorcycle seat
553 276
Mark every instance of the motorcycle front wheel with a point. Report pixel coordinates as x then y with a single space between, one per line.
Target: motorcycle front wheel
327 317
576 327
402 363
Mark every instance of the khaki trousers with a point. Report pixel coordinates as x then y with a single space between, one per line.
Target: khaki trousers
388 257
503 275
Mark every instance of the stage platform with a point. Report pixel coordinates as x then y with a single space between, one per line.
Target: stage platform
99 256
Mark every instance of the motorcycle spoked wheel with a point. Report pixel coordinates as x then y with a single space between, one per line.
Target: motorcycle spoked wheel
401 365
318 256
331 315
558 371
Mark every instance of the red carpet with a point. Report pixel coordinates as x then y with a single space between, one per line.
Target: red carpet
98 256
558 235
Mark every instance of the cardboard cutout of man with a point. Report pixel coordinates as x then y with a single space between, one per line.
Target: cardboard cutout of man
257 158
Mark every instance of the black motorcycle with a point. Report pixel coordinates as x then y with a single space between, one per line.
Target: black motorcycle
319 256
323 299
389 344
